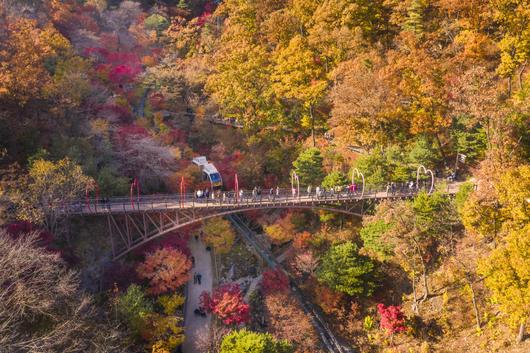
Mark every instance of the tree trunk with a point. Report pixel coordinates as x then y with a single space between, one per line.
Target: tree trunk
441 150
312 125
425 284
520 76
475 307
415 300
520 336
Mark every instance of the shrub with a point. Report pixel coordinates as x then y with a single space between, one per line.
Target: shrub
392 319
244 341
227 303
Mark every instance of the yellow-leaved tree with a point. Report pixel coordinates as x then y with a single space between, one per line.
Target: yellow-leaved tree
300 75
219 234
50 184
23 56
500 204
507 275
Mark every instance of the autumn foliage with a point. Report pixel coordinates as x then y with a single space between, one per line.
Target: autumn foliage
166 269
392 319
227 303
287 320
274 280
17 229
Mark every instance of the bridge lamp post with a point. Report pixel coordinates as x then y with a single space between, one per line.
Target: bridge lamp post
135 185
89 188
236 188
182 191
421 168
294 178
357 173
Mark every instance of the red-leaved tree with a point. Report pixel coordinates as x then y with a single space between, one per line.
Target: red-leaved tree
392 319
274 280
227 303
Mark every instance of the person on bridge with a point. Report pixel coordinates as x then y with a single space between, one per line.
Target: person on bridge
206 193
254 193
308 190
199 194
277 191
241 194
293 190
271 194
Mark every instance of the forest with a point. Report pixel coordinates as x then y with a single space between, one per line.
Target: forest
101 99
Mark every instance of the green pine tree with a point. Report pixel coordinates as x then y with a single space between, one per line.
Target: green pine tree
182 5
308 167
345 270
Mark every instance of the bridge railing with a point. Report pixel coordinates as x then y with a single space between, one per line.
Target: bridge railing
227 199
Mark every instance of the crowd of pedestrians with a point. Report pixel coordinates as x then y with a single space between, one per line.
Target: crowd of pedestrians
275 193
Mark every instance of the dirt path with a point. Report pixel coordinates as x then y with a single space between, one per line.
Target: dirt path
197 330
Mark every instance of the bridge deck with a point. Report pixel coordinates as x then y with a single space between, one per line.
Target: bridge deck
226 201
135 221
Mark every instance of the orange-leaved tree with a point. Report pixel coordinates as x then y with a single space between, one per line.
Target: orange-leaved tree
166 269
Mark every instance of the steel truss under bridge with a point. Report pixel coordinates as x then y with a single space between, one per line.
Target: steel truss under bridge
134 221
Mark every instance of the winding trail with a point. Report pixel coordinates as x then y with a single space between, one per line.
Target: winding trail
197 328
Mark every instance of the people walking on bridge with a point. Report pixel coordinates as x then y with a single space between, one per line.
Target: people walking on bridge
271 194
308 190
293 191
206 193
241 194
254 193
277 191
199 194
387 189
411 187
317 192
